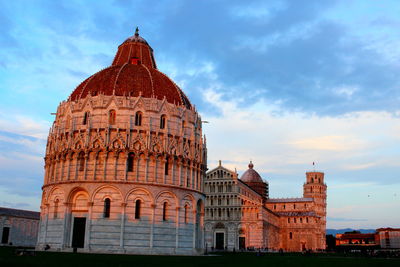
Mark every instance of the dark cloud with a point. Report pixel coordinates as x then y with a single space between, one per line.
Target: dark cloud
315 65
289 53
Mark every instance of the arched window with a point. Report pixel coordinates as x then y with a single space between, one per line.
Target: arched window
112 116
301 220
274 207
306 219
294 220
56 209
130 162
137 208
107 207
86 118
312 180
294 206
162 122
288 220
186 213
229 188
166 167
67 122
219 212
81 161
290 235
138 118
229 215
164 212
284 206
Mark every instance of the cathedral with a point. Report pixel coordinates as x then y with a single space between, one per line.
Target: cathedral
240 215
125 162
125 172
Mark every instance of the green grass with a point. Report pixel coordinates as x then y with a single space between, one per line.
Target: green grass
8 258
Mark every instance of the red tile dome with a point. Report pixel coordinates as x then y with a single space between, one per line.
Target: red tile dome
251 176
133 73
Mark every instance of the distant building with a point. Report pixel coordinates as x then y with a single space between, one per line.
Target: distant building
356 240
388 237
240 215
19 227
382 238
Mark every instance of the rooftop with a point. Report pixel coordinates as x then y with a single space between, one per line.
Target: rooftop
20 213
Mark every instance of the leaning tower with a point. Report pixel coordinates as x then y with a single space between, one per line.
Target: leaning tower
124 165
316 188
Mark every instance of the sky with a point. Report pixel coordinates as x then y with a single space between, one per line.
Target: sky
282 83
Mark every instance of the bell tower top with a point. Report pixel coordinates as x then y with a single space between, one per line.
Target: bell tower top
315 177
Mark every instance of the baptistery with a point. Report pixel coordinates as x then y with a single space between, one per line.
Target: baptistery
124 164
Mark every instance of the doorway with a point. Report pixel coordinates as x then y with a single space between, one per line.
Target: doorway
78 233
6 233
219 241
242 242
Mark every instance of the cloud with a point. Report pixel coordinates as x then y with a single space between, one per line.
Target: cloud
290 54
330 143
353 148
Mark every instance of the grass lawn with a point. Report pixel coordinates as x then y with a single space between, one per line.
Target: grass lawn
8 258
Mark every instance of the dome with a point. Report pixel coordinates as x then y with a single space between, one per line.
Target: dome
251 176
132 73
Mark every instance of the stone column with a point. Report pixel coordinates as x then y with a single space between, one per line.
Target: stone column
47 210
180 173
194 227
191 168
95 166
173 172
64 225
177 228
146 169
69 158
116 156
126 166
137 168
62 169
153 215
155 170
56 166
86 163
105 165
121 238
88 226
76 168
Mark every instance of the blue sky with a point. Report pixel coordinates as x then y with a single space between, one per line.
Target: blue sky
283 83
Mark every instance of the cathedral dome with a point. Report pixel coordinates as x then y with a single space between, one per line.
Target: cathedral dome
133 73
251 176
